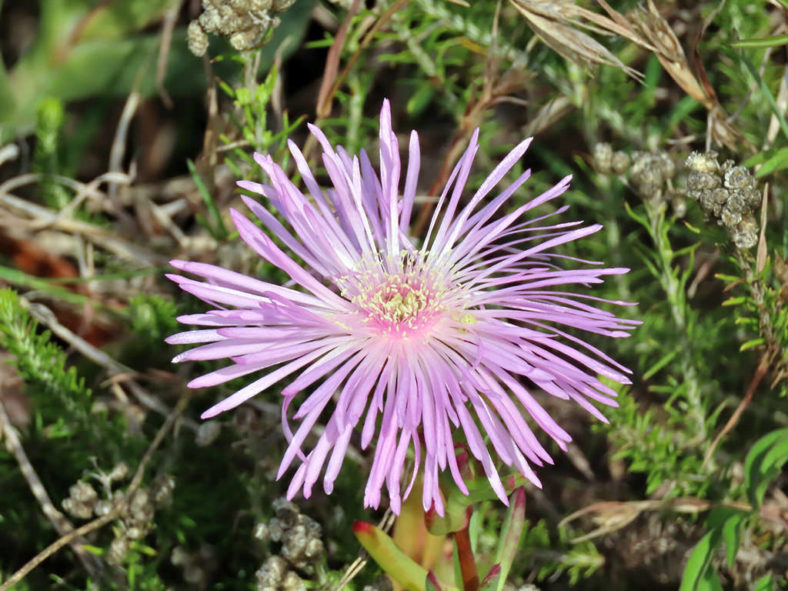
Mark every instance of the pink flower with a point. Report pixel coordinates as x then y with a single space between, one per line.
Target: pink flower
419 342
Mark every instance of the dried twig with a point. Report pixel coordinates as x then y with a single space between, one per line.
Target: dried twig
117 510
167 27
116 370
760 372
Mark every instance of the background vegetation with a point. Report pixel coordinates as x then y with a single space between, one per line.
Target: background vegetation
119 149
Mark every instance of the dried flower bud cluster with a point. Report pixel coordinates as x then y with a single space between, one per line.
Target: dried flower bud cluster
301 547
136 521
83 501
196 566
650 174
728 193
607 161
244 22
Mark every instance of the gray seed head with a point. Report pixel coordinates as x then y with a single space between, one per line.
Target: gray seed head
293 582
272 573
163 488
82 492
281 5
703 162
698 182
117 550
207 433
730 217
77 509
666 166
119 472
679 204
102 508
210 20
197 39
245 39
194 575
738 177
620 162
603 157
745 235
260 6
180 556
135 532
260 532
275 530
286 512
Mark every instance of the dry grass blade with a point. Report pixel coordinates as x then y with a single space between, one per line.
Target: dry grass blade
649 30
558 24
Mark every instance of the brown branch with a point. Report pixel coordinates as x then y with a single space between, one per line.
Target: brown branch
117 509
760 372
470 576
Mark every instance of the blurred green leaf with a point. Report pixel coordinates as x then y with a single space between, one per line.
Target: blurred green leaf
391 559
763 464
511 534
764 42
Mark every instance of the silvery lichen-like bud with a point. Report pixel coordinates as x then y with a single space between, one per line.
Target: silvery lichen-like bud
646 176
162 489
260 6
738 177
730 216
117 550
281 5
102 508
119 472
679 205
699 181
207 433
275 530
293 582
244 39
620 162
603 157
260 532
746 233
210 20
666 166
194 575
179 556
197 39
286 512
713 201
703 162
272 573
82 492
314 548
77 509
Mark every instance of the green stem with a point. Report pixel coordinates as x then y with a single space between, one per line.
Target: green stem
678 307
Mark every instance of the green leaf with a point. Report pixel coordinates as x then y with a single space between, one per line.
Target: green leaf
397 564
767 94
763 464
699 560
763 42
216 225
511 534
765 583
731 533
751 344
775 162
